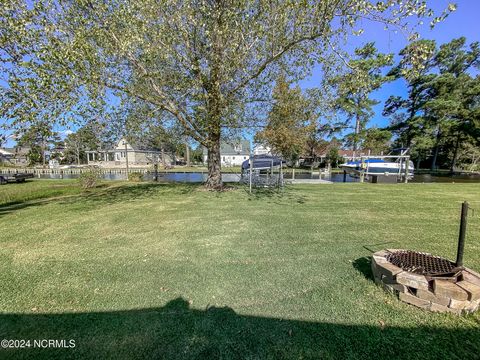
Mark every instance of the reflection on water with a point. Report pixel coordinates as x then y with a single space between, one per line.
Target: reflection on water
420 178
427 178
231 177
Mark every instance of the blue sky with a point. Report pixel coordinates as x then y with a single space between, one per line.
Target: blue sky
463 22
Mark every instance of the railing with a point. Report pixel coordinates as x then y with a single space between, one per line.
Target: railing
40 171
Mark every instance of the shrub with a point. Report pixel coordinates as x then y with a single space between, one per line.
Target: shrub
89 178
135 176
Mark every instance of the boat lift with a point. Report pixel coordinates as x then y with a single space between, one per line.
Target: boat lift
262 171
402 169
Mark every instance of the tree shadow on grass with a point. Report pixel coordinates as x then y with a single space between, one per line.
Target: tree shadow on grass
177 331
106 195
276 195
364 266
132 192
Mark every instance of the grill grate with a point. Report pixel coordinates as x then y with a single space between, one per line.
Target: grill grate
422 263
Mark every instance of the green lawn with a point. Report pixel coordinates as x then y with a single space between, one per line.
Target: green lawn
172 271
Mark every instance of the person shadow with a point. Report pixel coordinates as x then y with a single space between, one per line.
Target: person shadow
178 331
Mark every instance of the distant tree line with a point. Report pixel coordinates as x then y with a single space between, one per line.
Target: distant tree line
438 120
207 67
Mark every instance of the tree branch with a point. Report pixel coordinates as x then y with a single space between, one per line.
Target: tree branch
271 60
169 106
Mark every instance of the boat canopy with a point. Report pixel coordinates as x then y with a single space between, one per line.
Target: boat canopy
262 162
369 161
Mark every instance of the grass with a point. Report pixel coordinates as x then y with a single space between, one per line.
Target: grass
35 190
172 271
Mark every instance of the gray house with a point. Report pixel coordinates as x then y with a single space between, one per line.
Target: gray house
233 153
17 155
137 154
5 156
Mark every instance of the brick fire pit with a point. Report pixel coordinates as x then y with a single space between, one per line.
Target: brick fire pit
457 292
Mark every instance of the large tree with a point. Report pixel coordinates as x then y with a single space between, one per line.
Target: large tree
201 62
376 140
38 137
77 143
354 89
287 128
455 93
442 109
409 117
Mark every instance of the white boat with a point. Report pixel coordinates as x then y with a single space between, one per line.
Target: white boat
379 165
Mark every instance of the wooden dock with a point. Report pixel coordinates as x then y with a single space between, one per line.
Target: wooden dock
72 171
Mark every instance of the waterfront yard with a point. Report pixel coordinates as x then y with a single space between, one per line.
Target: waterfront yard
173 271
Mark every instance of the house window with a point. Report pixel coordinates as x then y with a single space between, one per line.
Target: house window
233 158
224 158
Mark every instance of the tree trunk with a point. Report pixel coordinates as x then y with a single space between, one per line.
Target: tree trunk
43 154
187 154
433 167
214 108
163 156
455 154
357 132
214 179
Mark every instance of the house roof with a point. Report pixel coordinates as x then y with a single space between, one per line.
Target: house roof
140 146
241 147
136 145
349 153
343 153
4 152
18 150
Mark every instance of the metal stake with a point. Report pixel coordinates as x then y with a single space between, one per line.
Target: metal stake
250 175
407 161
461 235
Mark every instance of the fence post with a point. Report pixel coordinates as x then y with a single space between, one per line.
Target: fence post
407 161
362 172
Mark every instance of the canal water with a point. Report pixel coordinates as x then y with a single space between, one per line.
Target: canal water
198 177
420 178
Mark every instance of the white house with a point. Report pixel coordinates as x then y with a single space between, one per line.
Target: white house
233 154
137 154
